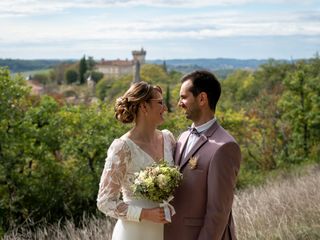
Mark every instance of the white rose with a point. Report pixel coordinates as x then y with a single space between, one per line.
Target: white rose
162 180
142 176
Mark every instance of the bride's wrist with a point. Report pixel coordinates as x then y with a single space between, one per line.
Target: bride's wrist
143 214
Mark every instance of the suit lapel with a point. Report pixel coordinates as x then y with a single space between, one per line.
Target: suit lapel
182 143
200 142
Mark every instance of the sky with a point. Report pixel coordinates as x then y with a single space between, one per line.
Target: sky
166 29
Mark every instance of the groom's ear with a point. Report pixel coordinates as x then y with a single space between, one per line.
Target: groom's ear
203 99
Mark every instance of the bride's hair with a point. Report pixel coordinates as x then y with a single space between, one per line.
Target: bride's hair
126 107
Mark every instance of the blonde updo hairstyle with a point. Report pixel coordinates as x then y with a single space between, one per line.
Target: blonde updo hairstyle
126 107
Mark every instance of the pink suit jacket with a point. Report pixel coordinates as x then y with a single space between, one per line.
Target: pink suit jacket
203 201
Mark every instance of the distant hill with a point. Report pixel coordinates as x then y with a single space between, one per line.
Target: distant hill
185 65
219 65
21 65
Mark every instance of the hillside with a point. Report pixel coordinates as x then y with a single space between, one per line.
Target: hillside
21 65
186 65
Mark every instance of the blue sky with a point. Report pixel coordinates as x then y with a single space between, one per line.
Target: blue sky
166 29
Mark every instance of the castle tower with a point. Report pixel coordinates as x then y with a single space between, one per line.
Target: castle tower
139 59
139 55
136 76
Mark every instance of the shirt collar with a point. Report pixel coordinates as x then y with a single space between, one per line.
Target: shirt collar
205 126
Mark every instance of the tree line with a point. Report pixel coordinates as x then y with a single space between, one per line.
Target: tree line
21 65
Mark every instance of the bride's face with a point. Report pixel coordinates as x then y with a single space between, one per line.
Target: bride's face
157 108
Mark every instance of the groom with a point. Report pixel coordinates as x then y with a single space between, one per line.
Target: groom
209 159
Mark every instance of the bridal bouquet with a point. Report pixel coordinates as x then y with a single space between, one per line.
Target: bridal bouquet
157 183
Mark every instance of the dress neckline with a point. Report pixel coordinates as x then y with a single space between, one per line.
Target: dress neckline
147 154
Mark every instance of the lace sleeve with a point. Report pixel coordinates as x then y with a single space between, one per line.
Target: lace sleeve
171 138
169 146
113 175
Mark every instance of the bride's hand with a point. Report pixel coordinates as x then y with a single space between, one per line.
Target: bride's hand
153 214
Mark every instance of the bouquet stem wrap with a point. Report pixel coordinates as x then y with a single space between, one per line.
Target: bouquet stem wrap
168 208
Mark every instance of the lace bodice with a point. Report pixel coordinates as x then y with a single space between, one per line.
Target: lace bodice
124 158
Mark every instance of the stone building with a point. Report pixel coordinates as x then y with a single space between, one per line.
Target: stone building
118 68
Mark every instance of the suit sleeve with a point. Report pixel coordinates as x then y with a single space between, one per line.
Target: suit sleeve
221 182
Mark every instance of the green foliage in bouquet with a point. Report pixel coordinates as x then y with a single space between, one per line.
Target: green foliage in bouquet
157 182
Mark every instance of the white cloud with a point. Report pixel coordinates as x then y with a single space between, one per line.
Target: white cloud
66 25
193 26
10 8
229 24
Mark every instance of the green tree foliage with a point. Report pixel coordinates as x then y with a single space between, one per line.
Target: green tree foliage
59 73
301 104
91 63
12 144
95 76
102 88
42 78
71 76
281 104
237 87
167 99
164 66
51 155
83 67
154 74
118 87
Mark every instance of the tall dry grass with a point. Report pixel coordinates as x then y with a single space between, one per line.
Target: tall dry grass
283 209
90 229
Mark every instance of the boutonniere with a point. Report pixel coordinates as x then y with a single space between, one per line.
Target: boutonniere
193 162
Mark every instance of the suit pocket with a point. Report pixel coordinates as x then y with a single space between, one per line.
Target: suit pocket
193 222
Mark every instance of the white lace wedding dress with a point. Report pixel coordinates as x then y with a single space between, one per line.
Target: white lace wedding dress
123 160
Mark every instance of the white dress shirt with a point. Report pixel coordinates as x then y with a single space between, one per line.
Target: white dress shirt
194 137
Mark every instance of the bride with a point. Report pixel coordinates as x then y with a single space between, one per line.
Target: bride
143 145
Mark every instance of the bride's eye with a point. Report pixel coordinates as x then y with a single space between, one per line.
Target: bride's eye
160 101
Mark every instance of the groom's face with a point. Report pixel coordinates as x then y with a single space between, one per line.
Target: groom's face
188 102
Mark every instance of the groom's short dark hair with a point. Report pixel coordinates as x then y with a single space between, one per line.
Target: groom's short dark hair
204 81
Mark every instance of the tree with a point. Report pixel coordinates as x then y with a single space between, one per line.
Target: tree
154 74
237 88
13 138
59 73
167 99
102 88
51 155
301 107
95 76
82 69
71 76
91 63
42 78
164 66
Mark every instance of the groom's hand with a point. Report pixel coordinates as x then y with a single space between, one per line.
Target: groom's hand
153 214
